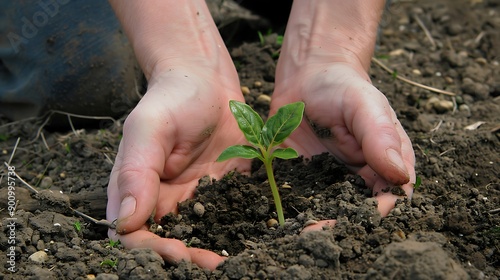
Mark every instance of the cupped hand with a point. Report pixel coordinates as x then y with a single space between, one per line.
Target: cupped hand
170 140
348 117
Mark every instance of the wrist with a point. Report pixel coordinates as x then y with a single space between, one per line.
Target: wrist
166 34
333 31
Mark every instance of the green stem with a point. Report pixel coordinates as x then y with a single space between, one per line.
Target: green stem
274 189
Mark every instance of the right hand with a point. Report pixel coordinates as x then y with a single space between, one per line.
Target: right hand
170 140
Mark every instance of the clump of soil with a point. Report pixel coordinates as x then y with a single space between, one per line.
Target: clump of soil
449 230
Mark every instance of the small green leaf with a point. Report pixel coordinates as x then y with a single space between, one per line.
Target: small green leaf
241 151
261 38
287 153
282 124
78 226
395 74
249 121
418 181
279 40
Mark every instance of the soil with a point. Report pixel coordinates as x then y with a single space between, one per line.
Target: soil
449 230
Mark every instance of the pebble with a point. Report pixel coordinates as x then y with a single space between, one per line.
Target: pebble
443 106
430 103
46 182
257 84
38 257
264 99
272 223
465 108
199 209
245 90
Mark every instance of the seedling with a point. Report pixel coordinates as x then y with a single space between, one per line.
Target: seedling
418 181
78 226
113 243
264 138
109 262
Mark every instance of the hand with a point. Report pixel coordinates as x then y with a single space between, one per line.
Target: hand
170 140
355 123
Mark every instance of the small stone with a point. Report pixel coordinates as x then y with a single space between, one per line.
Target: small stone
39 257
465 108
443 106
46 182
430 103
448 80
397 52
245 90
199 209
257 84
264 99
481 61
272 223
417 72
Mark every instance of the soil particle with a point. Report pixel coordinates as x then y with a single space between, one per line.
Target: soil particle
415 260
449 228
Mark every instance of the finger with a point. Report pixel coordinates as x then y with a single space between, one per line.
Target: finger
204 258
386 199
141 158
374 124
171 250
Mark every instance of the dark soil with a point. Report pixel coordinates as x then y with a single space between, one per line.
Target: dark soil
450 229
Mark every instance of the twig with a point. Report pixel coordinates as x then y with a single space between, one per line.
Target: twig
45 141
436 128
383 66
447 151
426 31
423 152
103 222
479 37
494 211
72 127
111 225
21 179
49 115
14 150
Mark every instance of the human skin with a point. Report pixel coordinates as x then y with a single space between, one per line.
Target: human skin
183 122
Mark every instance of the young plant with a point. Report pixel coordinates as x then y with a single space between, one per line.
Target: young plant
264 138
78 226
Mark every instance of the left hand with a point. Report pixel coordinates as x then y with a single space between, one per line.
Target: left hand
362 129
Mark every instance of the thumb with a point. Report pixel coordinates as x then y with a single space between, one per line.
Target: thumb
386 147
134 185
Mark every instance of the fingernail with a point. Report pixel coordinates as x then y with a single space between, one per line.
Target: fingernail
397 161
127 207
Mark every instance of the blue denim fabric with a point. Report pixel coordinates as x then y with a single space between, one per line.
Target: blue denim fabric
64 55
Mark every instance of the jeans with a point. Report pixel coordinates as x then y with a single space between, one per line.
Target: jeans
64 55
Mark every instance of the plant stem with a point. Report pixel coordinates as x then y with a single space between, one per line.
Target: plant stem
274 189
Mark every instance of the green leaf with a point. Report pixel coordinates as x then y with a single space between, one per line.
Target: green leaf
241 151
282 124
287 153
249 121
418 181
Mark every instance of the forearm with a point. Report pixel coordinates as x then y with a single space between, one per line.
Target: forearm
336 30
169 33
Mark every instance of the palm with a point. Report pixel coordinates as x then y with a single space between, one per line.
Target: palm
172 139
347 117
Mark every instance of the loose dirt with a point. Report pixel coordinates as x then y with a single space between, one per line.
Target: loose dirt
449 230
